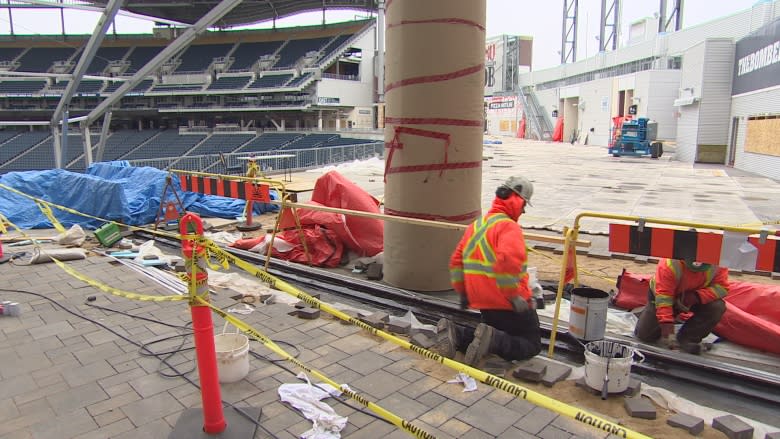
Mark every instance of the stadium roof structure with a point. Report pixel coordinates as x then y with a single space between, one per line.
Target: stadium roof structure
248 12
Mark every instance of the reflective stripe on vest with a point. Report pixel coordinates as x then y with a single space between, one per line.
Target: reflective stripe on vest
478 240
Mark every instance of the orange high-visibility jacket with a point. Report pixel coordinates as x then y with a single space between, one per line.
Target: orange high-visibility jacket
674 278
490 263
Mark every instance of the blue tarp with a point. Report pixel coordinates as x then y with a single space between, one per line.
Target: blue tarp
125 194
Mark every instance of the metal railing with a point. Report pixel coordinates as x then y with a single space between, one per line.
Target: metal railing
304 159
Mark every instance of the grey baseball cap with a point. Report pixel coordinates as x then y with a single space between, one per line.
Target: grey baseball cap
521 186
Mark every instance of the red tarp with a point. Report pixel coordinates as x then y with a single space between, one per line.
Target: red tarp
521 129
752 317
327 233
558 131
335 190
325 248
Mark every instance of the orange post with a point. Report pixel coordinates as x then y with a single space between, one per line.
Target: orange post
202 325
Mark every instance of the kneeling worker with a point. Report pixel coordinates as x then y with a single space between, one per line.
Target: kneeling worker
488 270
683 286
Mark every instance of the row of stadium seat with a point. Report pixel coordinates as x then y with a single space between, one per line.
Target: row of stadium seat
32 150
93 87
195 58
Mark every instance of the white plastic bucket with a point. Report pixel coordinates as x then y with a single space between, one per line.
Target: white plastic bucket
588 316
232 356
620 358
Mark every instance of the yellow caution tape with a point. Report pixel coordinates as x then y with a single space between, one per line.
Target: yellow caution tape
491 380
85 215
224 257
396 420
50 215
92 282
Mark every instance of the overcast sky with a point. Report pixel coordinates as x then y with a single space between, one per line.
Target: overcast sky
542 20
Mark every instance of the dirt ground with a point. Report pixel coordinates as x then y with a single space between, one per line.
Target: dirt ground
602 273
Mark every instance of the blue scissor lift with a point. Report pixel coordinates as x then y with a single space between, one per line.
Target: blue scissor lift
637 138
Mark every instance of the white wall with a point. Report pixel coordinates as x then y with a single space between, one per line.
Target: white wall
595 94
688 122
716 92
354 93
763 102
657 90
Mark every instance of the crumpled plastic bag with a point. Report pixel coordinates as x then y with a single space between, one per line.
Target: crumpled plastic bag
307 398
469 383
73 236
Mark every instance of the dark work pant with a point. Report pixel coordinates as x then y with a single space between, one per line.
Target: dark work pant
516 336
704 319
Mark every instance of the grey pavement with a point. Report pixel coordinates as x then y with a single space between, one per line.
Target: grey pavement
571 179
64 377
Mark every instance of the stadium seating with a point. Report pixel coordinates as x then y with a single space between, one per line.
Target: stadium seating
76 151
248 53
335 44
103 56
270 81
21 87
7 135
269 142
140 88
296 49
221 143
300 80
167 144
40 59
162 88
9 53
86 86
339 141
230 83
310 141
123 141
140 56
17 145
198 58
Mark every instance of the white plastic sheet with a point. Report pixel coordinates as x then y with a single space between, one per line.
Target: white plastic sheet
307 398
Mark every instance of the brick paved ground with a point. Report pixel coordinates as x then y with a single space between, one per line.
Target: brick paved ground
63 377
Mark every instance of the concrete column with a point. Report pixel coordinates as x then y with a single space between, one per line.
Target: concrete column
319 121
281 128
433 133
338 121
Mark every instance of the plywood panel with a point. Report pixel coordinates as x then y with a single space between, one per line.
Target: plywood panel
763 135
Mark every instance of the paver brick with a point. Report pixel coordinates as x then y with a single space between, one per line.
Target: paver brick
442 413
639 407
535 420
365 362
489 417
308 313
634 387
399 327
690 423
555 373
532 370
733 427
422 341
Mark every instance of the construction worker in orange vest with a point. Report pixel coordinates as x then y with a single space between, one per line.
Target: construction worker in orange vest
683 286
488 270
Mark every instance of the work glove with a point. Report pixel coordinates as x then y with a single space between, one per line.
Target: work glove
688 300
667 336
519 304
464 302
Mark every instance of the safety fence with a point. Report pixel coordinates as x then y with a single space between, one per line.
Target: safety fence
215 257
707 243
304 158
